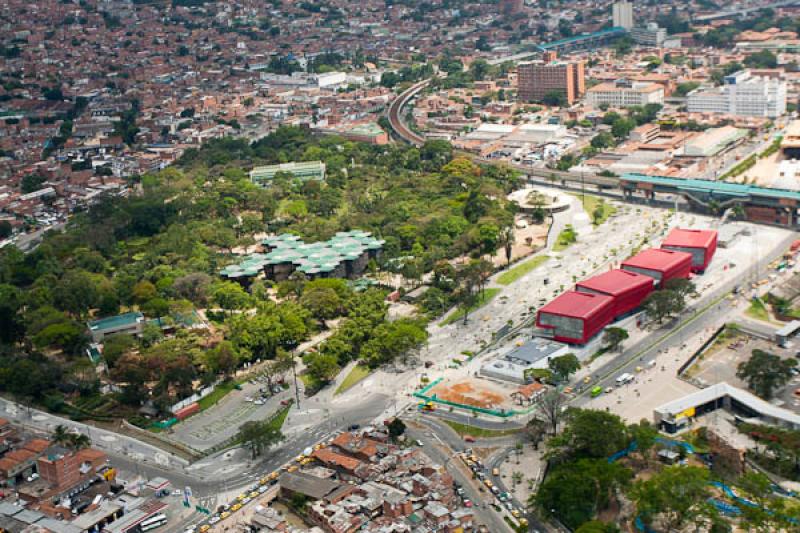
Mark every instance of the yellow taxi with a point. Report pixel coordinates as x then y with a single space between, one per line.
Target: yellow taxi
241 497
515 513
204 528
235 507
523 522
224 515
263 481
253 494
274 475
299 458
292 468
488 483
319 446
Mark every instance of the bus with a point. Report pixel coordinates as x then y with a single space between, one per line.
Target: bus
153 522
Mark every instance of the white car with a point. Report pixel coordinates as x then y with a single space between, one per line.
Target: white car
259 402
248 399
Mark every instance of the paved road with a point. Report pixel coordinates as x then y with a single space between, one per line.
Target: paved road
443 455
694 321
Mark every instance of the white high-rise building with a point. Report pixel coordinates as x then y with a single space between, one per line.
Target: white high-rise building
742 94
622 14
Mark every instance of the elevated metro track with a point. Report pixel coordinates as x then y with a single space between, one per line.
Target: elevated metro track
765 205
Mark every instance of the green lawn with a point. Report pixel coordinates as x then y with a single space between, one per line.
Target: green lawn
483 299
466 429
358 373
513 274
280 417
309 381
566 238
593 202
219 393
758 311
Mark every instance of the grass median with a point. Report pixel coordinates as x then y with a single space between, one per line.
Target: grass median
483 298
474 431
358 373
513 274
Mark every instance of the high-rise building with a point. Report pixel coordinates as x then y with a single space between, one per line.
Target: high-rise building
536 79
622 14
742 94
511 7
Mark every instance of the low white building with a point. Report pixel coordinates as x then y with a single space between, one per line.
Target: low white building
625 93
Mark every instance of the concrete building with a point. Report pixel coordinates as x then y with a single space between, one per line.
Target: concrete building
649 35
742 94
790 145
531 354
536 79
304 171
713 141
622 14
625 93
128 323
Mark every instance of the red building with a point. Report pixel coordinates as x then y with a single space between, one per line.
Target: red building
700 243
661 265
576 317
628 289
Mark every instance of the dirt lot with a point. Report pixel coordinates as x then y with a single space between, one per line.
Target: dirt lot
475 392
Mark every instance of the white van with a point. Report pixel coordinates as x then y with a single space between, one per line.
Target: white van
624 379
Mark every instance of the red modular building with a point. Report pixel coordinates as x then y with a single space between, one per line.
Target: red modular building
628 289
661 265
700 243
576 317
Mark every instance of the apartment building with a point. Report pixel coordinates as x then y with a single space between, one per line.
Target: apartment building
537 79
625 93
743 94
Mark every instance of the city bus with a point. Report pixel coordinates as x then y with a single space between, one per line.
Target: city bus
153 522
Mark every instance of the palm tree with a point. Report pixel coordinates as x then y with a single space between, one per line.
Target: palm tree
507 239
516 478
79 441
61 435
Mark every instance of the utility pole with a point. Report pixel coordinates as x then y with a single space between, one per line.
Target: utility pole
296 390
583 191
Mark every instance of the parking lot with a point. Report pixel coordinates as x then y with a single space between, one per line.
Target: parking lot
222 421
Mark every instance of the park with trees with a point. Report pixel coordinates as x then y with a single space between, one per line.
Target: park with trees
604 474
159 251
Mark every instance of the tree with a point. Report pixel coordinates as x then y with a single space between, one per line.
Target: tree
614 337
31 183
596 526
645 434
602 140
222 359
321 367
6 229
507 239
551 405
230 295
396 428
259 436
323 303
590 433
622 127
535 429
765 372
677 493
564 366
662 304
78 441
555 98
61 435
574 492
